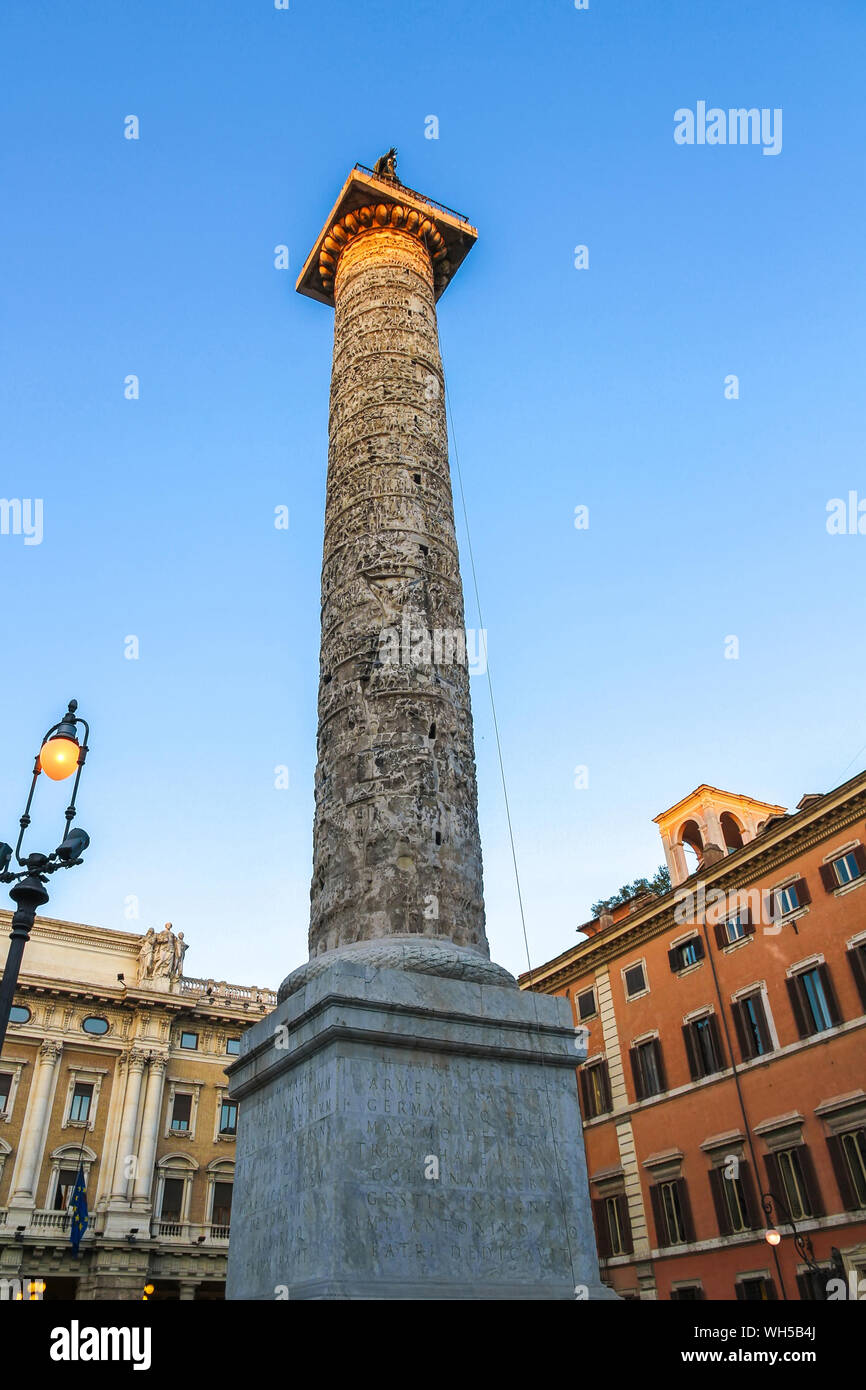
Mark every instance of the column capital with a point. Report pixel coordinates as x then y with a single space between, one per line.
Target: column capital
368 203
50 1050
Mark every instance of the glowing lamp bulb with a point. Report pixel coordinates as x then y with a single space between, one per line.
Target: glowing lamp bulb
772 1237
58 758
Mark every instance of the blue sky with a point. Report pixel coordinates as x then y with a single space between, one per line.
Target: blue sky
601 387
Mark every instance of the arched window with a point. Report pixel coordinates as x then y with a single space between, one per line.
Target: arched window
175 1173
64 1172
220 1177
693 845
732 832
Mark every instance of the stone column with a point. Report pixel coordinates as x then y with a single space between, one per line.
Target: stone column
149 1131
712 829
128 1125
396 844
35 1127
676 860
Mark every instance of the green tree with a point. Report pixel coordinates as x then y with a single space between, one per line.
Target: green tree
659 884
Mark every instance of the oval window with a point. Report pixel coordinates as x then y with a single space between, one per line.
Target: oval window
95 1025
18 1014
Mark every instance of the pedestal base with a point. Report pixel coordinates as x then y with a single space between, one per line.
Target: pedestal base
406 1136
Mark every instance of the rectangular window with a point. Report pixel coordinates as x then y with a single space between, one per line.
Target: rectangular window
791 1176
794 1188
759 1290
181 1112
635 981
65 1185
672 1212
189 1041
857 961
791 897
687 1293
752 1026
812 1284
686 953
816 999
617 1246
595 1089
648 1069
735 1204
735 928
703 1046
612 1225
848 1152
586 1004
228 1117
5 1089
172 1199
233 1046
846 869
82 1096
813 1001
222 1204
733 1198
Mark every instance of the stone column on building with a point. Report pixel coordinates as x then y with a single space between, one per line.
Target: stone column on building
35 1128
100 1197
712 828
149 1132
126 1146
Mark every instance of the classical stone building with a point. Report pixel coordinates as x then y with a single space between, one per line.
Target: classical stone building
724 1087
115 1059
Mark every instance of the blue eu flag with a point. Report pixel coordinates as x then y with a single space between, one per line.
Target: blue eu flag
78 1208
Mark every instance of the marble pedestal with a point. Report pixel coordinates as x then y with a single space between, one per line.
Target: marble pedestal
408 1136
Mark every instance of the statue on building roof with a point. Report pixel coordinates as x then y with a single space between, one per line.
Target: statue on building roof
386 166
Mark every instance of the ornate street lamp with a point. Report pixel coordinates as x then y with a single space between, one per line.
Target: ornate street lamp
61 754
773 1238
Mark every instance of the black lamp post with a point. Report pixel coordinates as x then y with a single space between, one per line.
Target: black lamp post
802 1242
61 754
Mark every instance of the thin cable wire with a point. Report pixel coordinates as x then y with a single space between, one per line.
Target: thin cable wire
511 837
853 760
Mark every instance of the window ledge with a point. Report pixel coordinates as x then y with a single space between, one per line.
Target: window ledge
794 916
684 970
844 888
735 945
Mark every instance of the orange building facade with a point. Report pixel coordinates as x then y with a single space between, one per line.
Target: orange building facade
724 1088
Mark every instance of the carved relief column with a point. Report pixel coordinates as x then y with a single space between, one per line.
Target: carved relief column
396 844
128 1125
149 1131
35 1127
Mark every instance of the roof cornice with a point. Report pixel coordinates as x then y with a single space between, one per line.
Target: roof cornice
832 813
